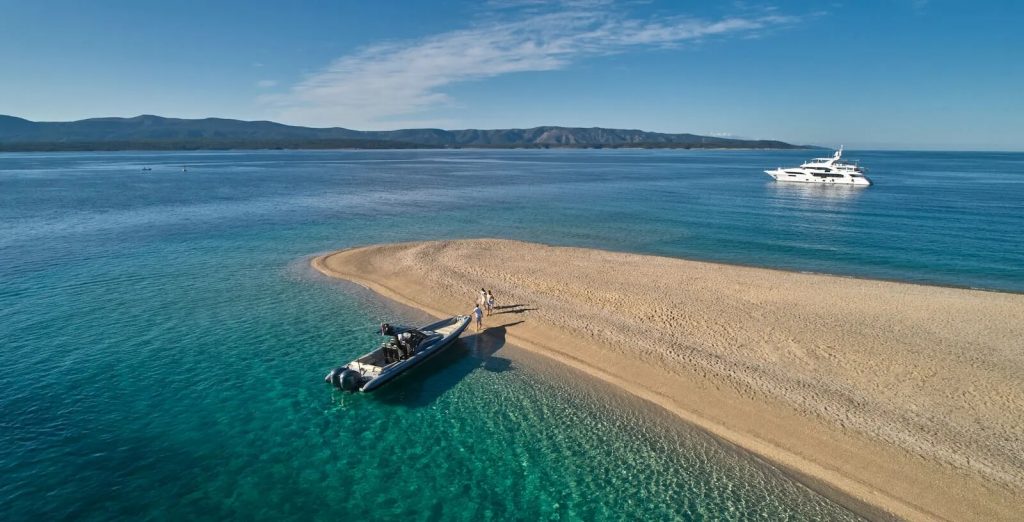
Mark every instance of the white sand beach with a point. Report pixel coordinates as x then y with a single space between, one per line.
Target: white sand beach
899 400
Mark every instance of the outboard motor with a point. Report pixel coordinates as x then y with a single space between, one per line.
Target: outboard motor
345 378
351 380
334 375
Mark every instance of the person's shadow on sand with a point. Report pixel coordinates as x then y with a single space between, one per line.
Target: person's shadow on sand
423 385
512 309
487 343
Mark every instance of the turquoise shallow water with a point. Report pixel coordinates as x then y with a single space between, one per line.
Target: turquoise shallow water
164 341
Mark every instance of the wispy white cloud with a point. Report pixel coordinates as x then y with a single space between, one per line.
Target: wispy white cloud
266 84
388 85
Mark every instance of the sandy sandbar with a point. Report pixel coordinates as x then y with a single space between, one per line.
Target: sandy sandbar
898 400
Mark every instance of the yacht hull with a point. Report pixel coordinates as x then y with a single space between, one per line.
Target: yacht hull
789 177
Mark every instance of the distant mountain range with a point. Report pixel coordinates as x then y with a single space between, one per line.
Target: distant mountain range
158 133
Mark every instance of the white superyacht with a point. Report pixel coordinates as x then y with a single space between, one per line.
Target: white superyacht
823 170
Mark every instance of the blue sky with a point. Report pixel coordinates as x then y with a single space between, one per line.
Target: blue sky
886 74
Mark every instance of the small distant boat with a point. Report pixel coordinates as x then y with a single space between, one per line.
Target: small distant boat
184 168
407 348
823 170
146 169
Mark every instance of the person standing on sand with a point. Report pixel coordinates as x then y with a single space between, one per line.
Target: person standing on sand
478 314
481 300
490 303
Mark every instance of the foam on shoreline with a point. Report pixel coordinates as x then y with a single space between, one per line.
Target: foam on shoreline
894 399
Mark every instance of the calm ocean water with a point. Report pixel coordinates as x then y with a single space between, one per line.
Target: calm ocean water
164 341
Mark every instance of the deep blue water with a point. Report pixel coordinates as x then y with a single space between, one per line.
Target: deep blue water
163 340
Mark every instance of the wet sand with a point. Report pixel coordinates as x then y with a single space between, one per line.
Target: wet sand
894 399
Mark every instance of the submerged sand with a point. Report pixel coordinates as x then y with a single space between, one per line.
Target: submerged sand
897 399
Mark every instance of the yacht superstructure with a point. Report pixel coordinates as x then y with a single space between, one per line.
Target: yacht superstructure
823 170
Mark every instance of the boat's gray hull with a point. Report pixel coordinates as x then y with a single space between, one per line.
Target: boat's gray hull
438 346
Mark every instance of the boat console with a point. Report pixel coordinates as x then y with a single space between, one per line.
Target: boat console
402 346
